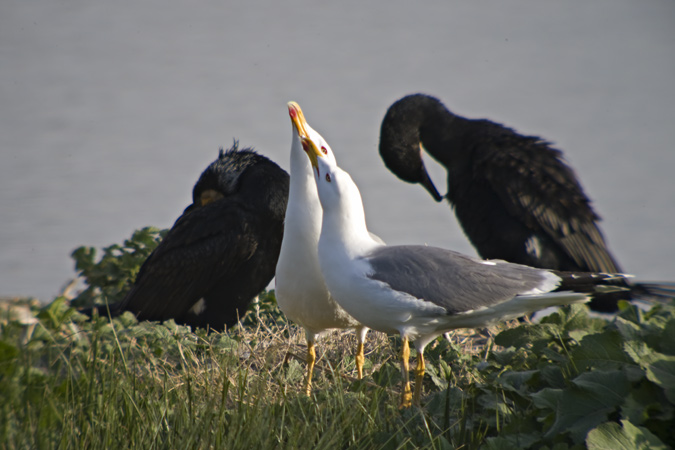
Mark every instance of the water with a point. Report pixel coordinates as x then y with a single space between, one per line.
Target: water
109 111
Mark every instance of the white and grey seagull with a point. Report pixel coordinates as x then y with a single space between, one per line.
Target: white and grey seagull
300 289
417 291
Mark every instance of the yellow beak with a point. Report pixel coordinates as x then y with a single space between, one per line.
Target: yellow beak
301 125
313 152
298 119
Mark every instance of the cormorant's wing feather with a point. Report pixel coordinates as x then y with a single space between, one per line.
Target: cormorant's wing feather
537 187
191 260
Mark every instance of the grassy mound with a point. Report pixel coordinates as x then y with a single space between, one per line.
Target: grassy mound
570 381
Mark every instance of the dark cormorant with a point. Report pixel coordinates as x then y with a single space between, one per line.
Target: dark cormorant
221 252
513 195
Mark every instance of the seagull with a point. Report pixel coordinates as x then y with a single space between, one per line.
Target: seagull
221 252
422 292
299 286
514 195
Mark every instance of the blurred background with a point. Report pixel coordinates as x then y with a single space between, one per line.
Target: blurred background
109 111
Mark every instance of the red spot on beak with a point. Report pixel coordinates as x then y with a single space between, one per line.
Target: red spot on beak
292 112
305 146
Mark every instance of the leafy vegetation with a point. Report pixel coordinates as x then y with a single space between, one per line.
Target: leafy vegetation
111 277
570 381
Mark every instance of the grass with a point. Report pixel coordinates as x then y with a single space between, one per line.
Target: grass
571 381
124 384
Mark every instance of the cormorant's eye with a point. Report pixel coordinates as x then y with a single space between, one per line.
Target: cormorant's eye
328 177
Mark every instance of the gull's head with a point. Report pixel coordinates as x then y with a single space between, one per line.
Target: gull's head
337 190
302 130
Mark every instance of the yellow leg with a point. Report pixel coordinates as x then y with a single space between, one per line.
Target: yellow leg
419 376
360 359
311 358
406 394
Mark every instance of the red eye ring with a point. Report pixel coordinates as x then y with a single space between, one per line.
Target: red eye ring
324 150
328 177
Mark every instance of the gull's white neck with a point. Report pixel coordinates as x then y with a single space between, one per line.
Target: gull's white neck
344 221
303 220
302 179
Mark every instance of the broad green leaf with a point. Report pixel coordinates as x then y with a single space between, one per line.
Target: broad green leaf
629 330
8 352
647 402
612 436
593 397
574 318
609 387
537 335
637 350
661 371
666 343
600 351
553 376
630 312
503 443
515 381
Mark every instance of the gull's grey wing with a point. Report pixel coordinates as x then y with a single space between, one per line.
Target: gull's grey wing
451 280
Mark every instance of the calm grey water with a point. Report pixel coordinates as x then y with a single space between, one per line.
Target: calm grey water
109 111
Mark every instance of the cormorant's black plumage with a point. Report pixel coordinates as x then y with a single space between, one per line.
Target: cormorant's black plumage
221 252
513 195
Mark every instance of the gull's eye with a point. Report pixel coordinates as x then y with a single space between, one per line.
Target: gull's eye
328 177
324 150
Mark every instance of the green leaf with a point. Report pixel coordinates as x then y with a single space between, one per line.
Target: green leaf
629 330
630 313
8 352
592 398
646 402
612 436
660 370
502 443
574 318
553 376
600 351
515 381
112 276
537 335
609 387
666 341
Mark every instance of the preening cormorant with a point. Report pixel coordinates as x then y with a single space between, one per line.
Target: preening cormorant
221 252
299 286
421 292
514 196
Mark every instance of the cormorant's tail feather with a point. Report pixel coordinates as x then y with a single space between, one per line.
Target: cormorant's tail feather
655 291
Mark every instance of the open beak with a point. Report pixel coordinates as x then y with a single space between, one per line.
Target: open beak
313 152
298 119
301 126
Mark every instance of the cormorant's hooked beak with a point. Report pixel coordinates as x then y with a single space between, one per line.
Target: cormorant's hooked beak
426 182
298 119
312 150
